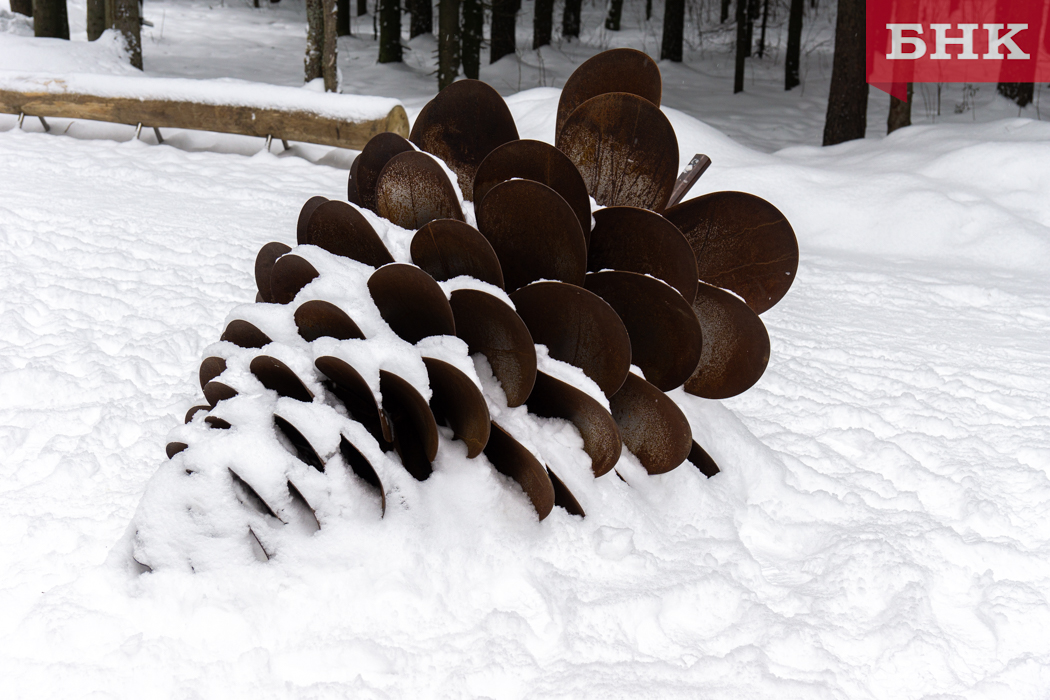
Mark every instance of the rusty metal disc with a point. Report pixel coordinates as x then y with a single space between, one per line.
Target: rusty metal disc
245 335
578 327
666 340
279 377
652 426
173 448
194 410
351 388
563 496
304 451
625 149
249 497
742 243
446 248
217 423
411 302
699 458
510 458
342 230
214 392
304 217
290 274
413 189
211 367
376 153
616 70
736 345
463 124
321 319
264 261
534 232
542 163
360 466
352 195
414 427
492 328
553 398
457 402
638 240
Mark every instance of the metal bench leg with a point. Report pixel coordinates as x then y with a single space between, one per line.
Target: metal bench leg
47 127
156 131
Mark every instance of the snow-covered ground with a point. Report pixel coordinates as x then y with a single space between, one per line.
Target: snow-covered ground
878 530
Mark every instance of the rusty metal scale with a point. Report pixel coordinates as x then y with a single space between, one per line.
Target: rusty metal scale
411 302
374 157
413 189
615 70
342 230
319 319
446 248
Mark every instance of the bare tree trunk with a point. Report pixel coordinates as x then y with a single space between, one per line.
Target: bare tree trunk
762 36
752 13
674 28
504 16
22 7
542 23
741 45
473 36
96 18
50 19
123 15
330 50
900 113
612 21
794 47
1021 93
362 7
648 10
725 10
570 19
314 39
448 42
422 17
848 102
389 31
342 26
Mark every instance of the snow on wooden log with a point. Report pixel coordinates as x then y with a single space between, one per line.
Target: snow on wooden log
224 105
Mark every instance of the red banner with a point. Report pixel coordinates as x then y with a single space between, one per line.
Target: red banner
957 41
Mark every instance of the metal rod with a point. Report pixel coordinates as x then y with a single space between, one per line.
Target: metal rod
284 142
156 132
21 117
269 138
697 166
47 127
138 130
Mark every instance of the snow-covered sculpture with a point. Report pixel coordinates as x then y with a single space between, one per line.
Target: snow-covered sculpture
514 282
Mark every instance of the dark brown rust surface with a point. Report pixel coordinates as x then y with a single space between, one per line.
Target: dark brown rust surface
553 398
625 149
736 345
360 465
217 423
342 230
413 189
446 248
245 335
351 388
578 327
289 275
616 70
374 156
275 375
414 428
563 496
211 367
534 232
319 319
173 448
510 458
304 451
457 402
652 426
701 460
216 391
666 340
463 124
742 243
492 328
542 163
194 411
304 218
351 183
638 240
264 261
411 302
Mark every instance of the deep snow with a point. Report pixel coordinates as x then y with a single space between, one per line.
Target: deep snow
878 530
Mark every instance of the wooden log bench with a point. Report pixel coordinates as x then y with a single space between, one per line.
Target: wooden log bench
225 106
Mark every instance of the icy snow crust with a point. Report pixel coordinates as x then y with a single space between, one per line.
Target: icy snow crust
879 528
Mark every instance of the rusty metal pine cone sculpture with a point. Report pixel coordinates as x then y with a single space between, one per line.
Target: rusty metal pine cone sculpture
506 257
